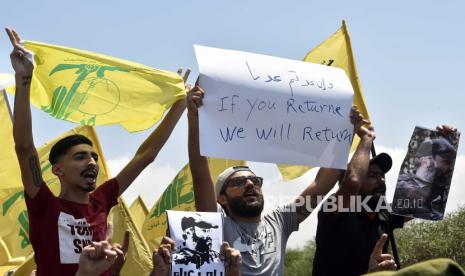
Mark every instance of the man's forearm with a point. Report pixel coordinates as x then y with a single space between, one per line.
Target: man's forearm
150 148
157 139
358 166
203 186
324 181
22 120
196 160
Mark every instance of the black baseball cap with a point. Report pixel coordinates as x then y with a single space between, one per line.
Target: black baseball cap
383 161
188 222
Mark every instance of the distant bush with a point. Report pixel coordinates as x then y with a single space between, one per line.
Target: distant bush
418 241
299 262
422 240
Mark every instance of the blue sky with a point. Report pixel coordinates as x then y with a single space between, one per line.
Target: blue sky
409 56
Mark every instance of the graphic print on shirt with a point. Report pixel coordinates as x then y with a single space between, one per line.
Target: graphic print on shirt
73 234
257 247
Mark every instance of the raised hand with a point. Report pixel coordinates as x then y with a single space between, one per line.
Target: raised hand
446 130
380 261
185 77
195 98
232 259
162 257
362 126
96 259
19 60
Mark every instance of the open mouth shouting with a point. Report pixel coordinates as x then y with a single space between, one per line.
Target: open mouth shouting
90 175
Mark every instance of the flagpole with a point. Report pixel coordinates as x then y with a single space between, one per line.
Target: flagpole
394 247
7 104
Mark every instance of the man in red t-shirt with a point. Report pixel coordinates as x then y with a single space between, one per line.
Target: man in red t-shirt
60 227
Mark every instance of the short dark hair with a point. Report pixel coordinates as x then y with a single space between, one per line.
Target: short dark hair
61 147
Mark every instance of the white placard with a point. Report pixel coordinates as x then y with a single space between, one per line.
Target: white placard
270 109
198 237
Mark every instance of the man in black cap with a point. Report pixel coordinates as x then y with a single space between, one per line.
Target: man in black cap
352 220
424 192
346 236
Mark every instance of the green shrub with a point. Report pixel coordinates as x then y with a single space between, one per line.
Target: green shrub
299 262
421 240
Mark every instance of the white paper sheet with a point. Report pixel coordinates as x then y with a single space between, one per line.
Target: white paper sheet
270 109
198 237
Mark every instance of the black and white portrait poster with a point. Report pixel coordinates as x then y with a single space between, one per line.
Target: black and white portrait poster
425 175
198 237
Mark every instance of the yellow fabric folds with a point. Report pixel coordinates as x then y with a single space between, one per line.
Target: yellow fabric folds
95 89
139 212
139 257
335 51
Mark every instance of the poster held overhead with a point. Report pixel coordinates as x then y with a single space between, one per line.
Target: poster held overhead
425 175
198 237
270 109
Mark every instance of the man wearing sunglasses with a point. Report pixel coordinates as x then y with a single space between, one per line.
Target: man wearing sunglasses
261 239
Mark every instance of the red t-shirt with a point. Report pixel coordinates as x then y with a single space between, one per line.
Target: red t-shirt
59 229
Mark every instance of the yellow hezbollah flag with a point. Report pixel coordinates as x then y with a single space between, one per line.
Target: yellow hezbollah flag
5 268
27 267
13 214
335 51
94 89
6 261
9 162
179 195
13 233
139 257
139 212
7 145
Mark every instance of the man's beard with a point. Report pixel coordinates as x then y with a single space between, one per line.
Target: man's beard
202 244
428 174
241 207
374 201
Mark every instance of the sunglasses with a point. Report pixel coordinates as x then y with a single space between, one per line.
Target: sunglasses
238 182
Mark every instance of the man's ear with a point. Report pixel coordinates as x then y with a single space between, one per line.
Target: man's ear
221 199
57 170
